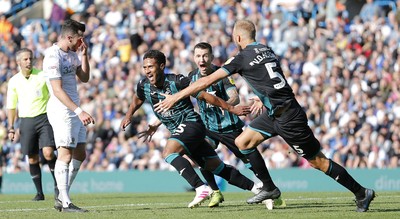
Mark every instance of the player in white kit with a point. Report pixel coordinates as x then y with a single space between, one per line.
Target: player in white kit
61 65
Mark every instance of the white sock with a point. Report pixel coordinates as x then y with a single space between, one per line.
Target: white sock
74 166
61 173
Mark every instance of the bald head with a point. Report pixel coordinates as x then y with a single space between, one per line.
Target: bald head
244 33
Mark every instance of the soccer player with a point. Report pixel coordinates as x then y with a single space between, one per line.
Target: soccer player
221 126
27 89
61 65
187 130
259 65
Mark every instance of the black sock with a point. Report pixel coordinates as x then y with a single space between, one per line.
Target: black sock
209 177
1 181
186 170
36 175
259 168
340 175
234 177
51 164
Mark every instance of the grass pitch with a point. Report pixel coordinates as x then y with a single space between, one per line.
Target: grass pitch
174 206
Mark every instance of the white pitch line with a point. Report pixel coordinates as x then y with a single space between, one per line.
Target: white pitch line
166 204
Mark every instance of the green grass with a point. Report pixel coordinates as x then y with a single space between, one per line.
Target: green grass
174 206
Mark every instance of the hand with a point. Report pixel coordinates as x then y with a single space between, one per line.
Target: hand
125 122
166 104
86 118
239 110
257 107
84 47
11 134
148 134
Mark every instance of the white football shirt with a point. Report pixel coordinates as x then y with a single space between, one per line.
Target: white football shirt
60 65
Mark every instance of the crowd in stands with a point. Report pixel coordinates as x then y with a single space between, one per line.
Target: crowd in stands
344 69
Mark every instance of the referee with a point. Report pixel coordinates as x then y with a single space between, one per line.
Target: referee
28 90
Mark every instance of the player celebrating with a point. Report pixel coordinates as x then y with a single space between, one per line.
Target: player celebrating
222 126
259 65
187 130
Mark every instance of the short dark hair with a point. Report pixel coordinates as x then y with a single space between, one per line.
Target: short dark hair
203 45
155 54
22 50
72 27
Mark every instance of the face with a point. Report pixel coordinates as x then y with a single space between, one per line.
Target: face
76 41
203 59
24 61
154 71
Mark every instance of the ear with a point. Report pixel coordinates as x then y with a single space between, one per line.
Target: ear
238 38
162 66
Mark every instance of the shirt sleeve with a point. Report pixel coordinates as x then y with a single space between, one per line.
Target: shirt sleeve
233 65
183 81
140 90
51 67
12 97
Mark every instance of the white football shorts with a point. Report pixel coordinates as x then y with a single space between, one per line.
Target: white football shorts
68 130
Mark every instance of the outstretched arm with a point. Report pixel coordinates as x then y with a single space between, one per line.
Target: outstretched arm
217 101
148 134
257 107
135 105
195 87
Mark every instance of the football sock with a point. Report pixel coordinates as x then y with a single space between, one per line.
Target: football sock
61 172
74 166
248 166
184 169
51 164
233 176
1 182
209 177
259 168
338 173
36 175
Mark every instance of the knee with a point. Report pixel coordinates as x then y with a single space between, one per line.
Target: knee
65 157
239 142
48 153
165 154
320 163
243 143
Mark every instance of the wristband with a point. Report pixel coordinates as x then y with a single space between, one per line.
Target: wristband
78 110
11 131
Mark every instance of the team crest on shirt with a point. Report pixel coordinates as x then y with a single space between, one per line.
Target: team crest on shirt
168 91
231 80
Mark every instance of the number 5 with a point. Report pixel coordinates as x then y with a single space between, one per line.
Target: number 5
274 74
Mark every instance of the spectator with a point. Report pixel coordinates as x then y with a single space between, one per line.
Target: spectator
350 75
